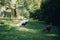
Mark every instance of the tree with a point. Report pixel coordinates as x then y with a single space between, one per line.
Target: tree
51 11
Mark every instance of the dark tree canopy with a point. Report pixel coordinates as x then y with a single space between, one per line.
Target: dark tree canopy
49 12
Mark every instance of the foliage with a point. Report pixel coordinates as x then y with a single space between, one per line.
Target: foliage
29 5
51 11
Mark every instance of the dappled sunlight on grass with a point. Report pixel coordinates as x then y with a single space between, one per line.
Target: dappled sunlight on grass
31 31
52 35
28 30
23 29
20 33
3 32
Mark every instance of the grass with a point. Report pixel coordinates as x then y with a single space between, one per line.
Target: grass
31 31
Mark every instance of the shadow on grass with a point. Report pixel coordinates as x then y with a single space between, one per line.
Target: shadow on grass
35 25
4 27
28 32
54 34
12 33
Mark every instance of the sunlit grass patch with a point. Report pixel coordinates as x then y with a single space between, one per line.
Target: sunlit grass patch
51 34
24 29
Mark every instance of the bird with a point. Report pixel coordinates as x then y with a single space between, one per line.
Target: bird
23 22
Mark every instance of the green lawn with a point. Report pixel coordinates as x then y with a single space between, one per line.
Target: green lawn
31 31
